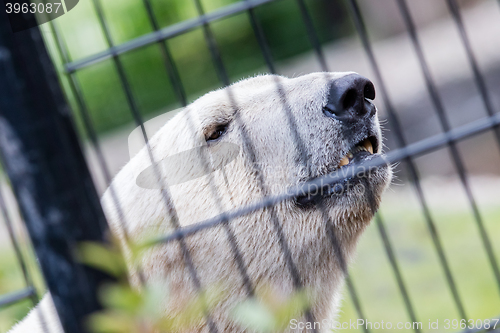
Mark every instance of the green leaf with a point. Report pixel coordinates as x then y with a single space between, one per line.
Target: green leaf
254 315
292 308
121 297
111 322
100 257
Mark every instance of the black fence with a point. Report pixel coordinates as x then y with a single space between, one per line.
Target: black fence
406 153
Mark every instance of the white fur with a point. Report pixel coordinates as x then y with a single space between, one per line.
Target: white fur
265 118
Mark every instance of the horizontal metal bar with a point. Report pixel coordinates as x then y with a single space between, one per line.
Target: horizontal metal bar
412 150
16 296
165 33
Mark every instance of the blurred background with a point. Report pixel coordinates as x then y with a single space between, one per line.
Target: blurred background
292 50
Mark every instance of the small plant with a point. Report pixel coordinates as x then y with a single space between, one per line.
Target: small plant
269 313
130 310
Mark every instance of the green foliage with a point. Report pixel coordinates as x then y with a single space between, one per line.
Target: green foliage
270 314
131 310
103 258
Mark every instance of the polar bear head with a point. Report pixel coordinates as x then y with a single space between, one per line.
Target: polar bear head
230 148
269 133
256 138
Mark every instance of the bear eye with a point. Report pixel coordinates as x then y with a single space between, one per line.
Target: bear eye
217 133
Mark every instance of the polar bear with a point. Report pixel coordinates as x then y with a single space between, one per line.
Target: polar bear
288 131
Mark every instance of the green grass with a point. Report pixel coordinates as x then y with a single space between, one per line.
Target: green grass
372 274
422 272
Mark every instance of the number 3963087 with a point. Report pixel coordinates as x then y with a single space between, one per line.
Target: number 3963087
32 8
471 324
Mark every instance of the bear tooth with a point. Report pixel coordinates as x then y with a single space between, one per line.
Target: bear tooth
349 155
344 161
368 146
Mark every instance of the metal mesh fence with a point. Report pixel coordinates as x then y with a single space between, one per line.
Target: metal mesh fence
405 153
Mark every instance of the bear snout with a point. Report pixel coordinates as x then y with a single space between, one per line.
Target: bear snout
349 99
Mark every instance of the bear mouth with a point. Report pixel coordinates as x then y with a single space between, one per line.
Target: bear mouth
363 150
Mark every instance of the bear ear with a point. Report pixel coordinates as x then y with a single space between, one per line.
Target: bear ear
136 139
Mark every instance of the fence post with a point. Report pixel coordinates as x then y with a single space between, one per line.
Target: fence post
43 159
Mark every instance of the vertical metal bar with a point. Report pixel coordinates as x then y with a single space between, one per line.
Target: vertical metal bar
17 249
212 45
294 272
480 82
121 71
168 60
223 76
175 78
166 196
240 262
173 73
49 177
395 269
443 119
394 121
300 147
89 129
317 47
355 301
261 39
313 36
82 107
33 296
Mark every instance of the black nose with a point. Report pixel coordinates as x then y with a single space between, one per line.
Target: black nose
349 98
